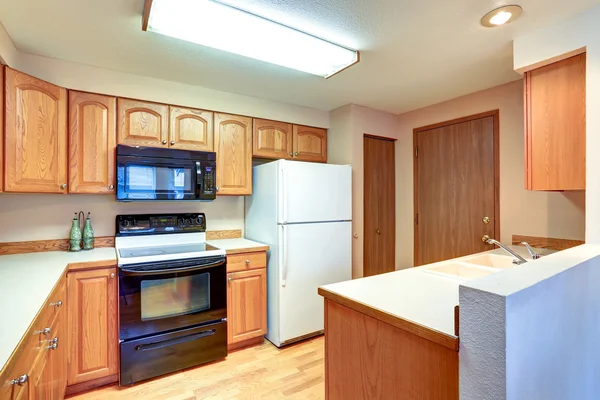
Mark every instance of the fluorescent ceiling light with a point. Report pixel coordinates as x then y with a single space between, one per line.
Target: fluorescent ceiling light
223 27
501 16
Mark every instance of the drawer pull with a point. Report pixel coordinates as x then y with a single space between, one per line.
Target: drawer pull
57 304
53 344
248 262
20 380
44 331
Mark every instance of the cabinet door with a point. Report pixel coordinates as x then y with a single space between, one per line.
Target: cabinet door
35 135
555 106
1 127
92 142
190 129
49 371
310 144
246 305
92 315
271 139
233 145
142 123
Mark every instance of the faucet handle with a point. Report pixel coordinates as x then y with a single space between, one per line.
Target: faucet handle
533 254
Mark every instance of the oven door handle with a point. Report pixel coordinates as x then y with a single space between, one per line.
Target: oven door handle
130 272
173 342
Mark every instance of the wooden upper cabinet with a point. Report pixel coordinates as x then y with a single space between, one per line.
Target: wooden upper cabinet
35 135
142 123
246 305
92 142
310 144
233 145
93 336
271 139
1 130
190 129
555 126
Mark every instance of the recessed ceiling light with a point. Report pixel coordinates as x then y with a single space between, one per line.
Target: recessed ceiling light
501 16
224 27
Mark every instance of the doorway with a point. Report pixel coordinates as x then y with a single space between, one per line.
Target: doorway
379 252
456 187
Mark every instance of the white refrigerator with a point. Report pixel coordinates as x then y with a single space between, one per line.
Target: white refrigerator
303 211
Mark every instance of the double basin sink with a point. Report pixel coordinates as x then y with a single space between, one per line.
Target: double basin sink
472 267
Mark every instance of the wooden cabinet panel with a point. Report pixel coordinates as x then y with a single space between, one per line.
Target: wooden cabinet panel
2 131
271 139
190 129
246 305
35 135
310 144
246 261
92 142
142 123
555 127
233 145
93 324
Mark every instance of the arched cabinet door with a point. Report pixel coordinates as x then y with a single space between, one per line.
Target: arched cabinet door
233 145
92 142
142 123
310 144
190 129
35 135
272 139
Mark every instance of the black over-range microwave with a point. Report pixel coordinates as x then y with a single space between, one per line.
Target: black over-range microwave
153 174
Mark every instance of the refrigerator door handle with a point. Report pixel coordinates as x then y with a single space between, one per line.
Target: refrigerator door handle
284 200
283 262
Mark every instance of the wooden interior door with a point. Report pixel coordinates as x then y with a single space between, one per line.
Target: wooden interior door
379 255
233 145
93 336
142 123
35 135
456 187
92 142
271 139
310 144
246 305
190 129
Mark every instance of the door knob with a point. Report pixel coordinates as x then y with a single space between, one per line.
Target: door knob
485 238
378 232
486 220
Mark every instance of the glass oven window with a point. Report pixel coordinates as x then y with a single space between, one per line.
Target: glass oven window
144 181
170 297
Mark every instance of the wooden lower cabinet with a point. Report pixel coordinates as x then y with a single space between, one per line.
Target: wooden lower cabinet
246 306
93 325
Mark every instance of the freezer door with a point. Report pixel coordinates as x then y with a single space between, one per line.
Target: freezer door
312 255
312 192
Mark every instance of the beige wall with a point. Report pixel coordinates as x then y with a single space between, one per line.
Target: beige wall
523 212
345 146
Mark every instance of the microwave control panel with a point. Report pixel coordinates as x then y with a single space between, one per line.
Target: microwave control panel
207 181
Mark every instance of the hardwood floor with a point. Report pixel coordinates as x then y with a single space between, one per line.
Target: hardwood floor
261 372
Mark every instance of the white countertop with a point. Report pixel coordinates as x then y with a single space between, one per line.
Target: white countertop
413 294
236 244
26 281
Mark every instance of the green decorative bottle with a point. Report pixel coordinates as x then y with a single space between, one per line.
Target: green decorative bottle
88 234
75 236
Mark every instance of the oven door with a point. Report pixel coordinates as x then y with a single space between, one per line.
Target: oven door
166 296
144 178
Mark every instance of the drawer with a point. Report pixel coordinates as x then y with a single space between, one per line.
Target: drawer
246 261
55 304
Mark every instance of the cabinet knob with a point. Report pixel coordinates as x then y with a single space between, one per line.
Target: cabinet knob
44 331
485 238
247 262
296 154
217 188
112 274
229 279
63 186
172 142
378 231
20 380
53 344
291 154
57 304
164 142
111 187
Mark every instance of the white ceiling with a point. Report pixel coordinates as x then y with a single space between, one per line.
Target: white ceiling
413 52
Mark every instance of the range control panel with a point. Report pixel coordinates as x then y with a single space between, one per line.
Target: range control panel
152 224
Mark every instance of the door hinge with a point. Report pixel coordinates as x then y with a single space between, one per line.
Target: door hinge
417 219
416 152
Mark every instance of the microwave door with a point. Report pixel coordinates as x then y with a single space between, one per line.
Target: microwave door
146 180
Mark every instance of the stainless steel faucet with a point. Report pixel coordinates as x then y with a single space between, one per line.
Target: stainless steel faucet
518 259
533 254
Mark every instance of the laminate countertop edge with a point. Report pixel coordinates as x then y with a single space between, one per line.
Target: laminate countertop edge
449 341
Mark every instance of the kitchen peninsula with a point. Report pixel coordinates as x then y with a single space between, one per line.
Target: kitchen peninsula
395 335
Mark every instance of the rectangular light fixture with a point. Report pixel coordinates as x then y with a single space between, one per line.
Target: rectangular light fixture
223 27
